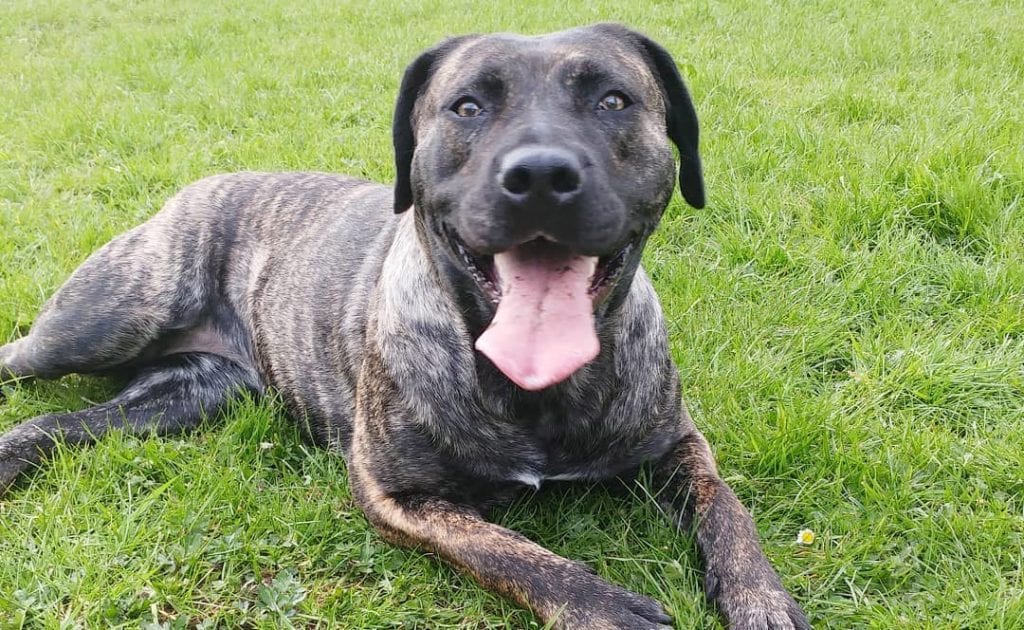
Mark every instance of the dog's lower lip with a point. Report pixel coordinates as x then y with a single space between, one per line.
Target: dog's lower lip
480 266
608 269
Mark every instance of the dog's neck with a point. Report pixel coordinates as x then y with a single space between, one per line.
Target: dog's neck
424 326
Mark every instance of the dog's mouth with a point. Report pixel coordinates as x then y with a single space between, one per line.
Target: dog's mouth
483 270
543 328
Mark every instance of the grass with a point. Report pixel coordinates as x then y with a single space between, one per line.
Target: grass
847 313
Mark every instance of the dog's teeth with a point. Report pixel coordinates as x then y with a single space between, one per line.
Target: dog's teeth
473 266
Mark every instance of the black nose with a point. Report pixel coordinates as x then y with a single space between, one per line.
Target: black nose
540 174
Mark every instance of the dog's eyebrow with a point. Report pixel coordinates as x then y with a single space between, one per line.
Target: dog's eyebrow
585 73
491 80
488 81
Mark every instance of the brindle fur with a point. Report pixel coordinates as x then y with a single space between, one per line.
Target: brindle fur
364 322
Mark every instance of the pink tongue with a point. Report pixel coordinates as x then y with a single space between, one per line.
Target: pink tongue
544 328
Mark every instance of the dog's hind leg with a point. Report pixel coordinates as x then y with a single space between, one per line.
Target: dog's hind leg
167 398
157 278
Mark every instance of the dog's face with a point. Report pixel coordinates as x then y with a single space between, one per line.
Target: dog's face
539 167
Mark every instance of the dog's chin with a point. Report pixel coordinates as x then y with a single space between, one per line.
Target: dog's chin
482 269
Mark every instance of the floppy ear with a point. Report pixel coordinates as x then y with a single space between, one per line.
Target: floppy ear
681 122
416 77
680 118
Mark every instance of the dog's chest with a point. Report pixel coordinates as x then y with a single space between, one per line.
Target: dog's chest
534 480
561 445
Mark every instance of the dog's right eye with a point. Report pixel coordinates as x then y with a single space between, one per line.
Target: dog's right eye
467 107
614 101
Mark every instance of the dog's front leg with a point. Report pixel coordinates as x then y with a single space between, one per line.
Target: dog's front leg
558 590
737 576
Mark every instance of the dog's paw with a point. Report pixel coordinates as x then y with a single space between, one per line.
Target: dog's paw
5 352
598 605
7 373
769 608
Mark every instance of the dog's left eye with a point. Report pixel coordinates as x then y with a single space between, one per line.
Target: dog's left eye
467 108
614 101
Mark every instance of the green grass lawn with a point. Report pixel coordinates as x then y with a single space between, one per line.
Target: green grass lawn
847 312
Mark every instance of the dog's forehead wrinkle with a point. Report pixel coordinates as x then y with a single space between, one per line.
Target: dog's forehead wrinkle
503 55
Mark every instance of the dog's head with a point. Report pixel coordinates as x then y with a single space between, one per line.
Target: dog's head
539 166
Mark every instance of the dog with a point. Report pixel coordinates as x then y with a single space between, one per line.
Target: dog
481 327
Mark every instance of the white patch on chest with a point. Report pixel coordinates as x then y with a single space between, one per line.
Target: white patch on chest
528 479
534 480
570 476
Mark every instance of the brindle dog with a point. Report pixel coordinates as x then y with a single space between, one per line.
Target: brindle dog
499 334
